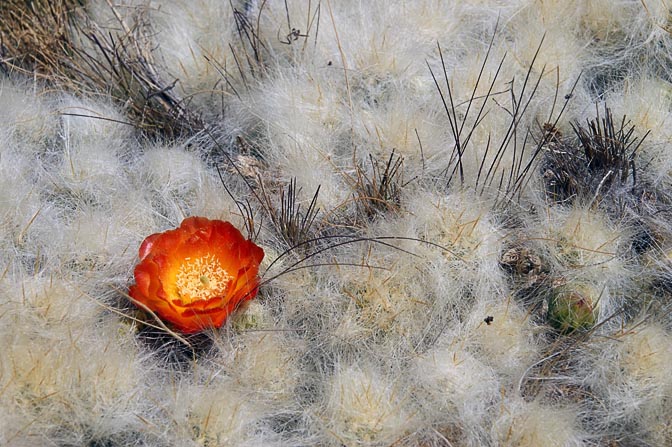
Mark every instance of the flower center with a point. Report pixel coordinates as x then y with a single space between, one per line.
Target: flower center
201 278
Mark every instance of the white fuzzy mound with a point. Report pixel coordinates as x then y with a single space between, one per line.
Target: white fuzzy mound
453 204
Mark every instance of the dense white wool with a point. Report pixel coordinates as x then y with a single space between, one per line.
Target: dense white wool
86 213
444 20
381 84
389 304
74 378
374 96
532 424
375 75
86 178
93 124
311 303
99 241
211 413
86 170
297 122
508 344
103 15
605 20
630 373
657 14
646 354
172 171
178 183
388 38
11 423
614 29
580 238
364 408
646 103
468 242
25 116
562 54
379 49
584 246
301 106
20 207
264 364
52 302
27 127
395 351
458 391
377 54
413 128
377 307
193 40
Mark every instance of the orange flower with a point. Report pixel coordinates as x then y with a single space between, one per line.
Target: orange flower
196 275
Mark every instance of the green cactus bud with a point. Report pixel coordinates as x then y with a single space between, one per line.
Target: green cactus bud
571 307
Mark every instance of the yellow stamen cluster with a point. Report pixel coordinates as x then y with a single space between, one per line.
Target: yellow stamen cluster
201 278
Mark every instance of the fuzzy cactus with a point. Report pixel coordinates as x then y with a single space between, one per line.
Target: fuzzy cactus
572 307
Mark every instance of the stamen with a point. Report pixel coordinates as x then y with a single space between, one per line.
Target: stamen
201 278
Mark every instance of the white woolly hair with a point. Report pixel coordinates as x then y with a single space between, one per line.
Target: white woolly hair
210 413
508 343
363 407
584 247
457 391
531 424
645 102
303 120
628 374
394 317
26 119
74 380
265 364
195 39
